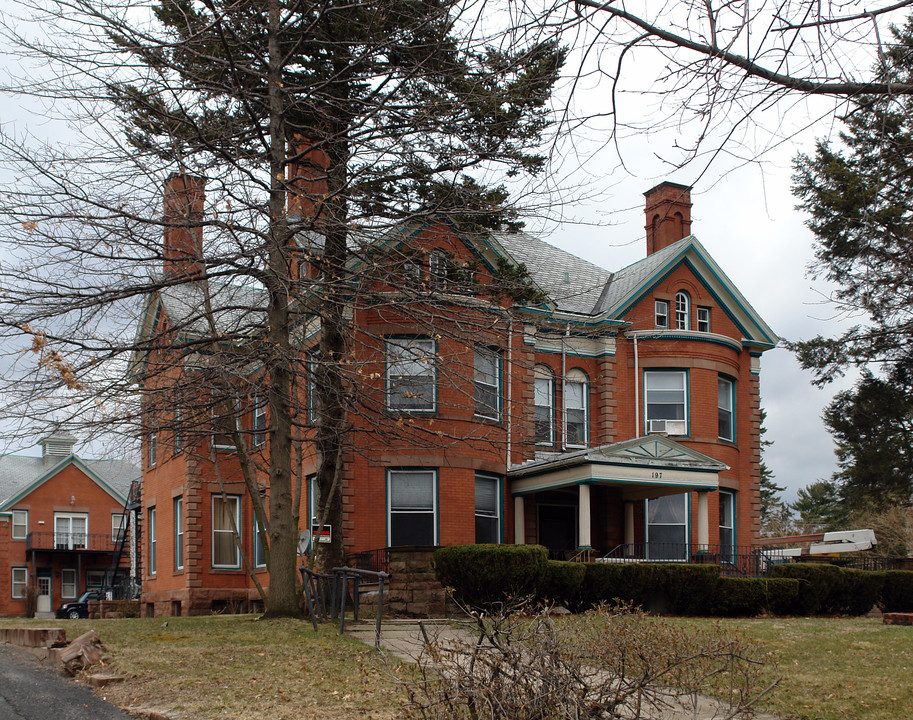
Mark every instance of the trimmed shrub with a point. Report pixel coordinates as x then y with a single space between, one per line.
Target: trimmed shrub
896 591
602 583
740 597
484 576
855 592
816 583
562 582
691 589
781 594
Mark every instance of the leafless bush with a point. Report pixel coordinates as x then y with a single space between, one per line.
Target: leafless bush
609 663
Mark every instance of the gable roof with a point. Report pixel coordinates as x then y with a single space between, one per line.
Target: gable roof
648 451
632 283
21 475
573 285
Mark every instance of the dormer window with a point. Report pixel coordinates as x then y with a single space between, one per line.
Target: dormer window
682 311
662 314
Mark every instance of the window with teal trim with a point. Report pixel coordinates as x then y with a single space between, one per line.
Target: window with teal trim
487 379
666 402
411 507
662 314
667 527
488 516
727 525
726 408
411 374
682 311
544 402
575 402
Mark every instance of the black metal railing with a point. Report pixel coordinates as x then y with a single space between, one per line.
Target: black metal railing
373 560
734 560
65 541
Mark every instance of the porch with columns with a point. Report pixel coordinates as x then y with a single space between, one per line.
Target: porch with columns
625 474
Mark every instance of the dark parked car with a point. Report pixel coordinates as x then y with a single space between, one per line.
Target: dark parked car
78 608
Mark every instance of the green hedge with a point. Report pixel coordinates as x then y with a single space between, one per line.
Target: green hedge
781 594
562 583
740 597
483 576
830 590
896 591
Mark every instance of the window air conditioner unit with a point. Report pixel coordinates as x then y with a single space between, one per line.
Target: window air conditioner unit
669 427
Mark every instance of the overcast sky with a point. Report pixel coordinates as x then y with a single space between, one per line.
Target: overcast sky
743 213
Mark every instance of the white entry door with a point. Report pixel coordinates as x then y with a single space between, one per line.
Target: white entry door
44 594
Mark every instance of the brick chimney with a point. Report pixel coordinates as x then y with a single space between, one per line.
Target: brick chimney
183 218
307 179
668 214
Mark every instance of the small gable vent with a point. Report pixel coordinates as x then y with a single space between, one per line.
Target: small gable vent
58 445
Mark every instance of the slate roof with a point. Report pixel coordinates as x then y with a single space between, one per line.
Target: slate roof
236 308
572 283
17 473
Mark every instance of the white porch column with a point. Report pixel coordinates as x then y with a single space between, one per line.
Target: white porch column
703 520
583 517
629 523
519 521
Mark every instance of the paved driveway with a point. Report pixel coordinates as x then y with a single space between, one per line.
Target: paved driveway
31 690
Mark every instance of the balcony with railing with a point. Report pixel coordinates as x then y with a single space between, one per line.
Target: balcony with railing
70 542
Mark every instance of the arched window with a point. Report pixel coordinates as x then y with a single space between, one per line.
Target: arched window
682 311
575 408
544 402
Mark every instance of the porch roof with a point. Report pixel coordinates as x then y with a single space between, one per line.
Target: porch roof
644 467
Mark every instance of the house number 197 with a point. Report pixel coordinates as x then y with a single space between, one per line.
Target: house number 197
656 474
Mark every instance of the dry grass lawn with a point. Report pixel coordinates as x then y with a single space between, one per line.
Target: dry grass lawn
243 668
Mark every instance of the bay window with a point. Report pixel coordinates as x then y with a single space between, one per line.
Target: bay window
411 507
411 374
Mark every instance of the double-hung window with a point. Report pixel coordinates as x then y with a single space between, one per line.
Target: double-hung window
682 311
726 408
544 405
224 425
68 583
20 581
488 508
20 524
666 401
662 314
259 421
411 507
727 525
411 374
117 526
703 319
152 541
487 377
226 519
152 442
667 527
575 402
179 533
259 554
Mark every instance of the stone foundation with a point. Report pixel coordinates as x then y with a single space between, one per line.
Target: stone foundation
414 588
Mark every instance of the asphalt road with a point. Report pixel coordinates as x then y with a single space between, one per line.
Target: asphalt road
31 690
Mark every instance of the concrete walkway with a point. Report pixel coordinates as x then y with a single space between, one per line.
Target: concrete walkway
403 639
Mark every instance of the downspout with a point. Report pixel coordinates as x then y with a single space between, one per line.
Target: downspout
509 390
637 428
567 332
